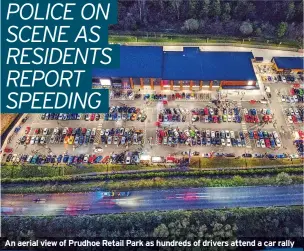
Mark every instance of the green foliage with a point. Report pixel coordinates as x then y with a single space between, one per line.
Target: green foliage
283 179
282 28
156 182
191 25
253 222
246 28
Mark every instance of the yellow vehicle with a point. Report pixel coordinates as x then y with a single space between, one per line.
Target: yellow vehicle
71 140
66 140
133 117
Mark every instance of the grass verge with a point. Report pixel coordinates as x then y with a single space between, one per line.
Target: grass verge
153 183
199 162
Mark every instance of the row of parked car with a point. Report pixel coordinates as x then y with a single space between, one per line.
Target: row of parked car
125 113
216 115
123 158
122 136
194 137
178 96
294 115
70 116
252 115
172 114
265 139
282 78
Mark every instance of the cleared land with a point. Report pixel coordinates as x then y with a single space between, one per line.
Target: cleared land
6 119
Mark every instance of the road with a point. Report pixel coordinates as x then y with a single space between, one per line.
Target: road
149 200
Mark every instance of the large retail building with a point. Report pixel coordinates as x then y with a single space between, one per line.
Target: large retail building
288 64
190 69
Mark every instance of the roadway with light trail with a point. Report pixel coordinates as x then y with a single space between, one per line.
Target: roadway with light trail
150 200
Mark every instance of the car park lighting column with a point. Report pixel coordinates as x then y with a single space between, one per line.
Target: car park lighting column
171 85
191 85
180 85
201 85
132 83
141 83
210 86
152 83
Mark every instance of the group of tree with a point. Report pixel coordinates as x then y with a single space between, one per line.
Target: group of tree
176 225
273 19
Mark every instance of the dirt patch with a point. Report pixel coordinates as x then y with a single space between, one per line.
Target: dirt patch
6 119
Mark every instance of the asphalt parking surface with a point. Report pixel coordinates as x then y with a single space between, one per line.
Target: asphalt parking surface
149 128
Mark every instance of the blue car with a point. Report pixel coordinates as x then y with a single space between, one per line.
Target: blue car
81 139
260 133
272 143
281 156
271 156
59 158
70 160
98 159
106 117
253 112
65 158
204 141
241 135
251 134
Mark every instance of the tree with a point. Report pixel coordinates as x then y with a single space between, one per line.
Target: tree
161 231
282 28
246 28
283 179
290 11
176 6
226 12
205 5
215 8
258 31
191 25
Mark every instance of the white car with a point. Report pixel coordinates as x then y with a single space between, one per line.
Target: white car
206 119
278 143
291 99
93 133
291 111
208 142
264 111
212 134
245 111
109 140
289 118
262 143
65 130
121 131
107 132
296 111
60 116
128 160
29 158
86 158
189 141
176 134
295 97
223 142
32 140
45 131
275 134
115 140
207 133
228 142
165 140
227 134
229 118
258 144
283 79
42 140
283 98
187 133
56 130
232 136
211 111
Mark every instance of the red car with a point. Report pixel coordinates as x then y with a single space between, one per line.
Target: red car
70 130
215 119
84 130
160 117
27 130
160 140
267 143
92 117
105 159
294 119
206 111
37 131
301 134
91 159
256 119
255 135
292 92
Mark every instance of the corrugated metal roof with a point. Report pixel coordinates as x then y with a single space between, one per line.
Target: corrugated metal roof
289 62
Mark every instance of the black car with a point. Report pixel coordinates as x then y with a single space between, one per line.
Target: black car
247 155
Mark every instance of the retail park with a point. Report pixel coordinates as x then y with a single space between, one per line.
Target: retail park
166 104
